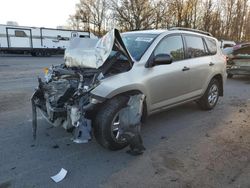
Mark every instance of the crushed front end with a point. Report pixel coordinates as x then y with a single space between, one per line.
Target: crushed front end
64 99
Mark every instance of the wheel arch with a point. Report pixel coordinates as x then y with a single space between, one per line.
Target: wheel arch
135 92
129 93
220 79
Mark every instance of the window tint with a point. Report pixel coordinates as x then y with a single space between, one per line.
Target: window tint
173 46
211 44
195 46
19 33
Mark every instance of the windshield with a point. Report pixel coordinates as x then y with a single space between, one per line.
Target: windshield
137 44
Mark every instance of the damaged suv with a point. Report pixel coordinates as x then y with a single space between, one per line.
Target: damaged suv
166 67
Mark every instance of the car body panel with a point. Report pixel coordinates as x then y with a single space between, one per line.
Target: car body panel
165 85
93 53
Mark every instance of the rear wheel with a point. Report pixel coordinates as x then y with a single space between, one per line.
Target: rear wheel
47 54
210 98
106 124
33 54
38 53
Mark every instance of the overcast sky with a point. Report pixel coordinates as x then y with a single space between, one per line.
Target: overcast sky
39 13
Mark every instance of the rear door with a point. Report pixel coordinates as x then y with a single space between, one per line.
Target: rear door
200 62
19 38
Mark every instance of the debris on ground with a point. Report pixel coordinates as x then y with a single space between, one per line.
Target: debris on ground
242 110
55 146
60 176
82 132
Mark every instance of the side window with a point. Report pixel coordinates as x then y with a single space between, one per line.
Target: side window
211 44
59 37
84 36
171 45
195 46
19 33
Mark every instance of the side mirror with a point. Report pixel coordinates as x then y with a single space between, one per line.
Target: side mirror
162 59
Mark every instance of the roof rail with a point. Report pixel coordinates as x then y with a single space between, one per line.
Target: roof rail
189 29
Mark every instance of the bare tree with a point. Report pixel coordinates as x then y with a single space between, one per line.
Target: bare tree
133 14
92 12
225 19
207 17
176 8
246 26
160 20
73 22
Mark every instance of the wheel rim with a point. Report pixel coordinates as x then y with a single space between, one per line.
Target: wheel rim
213 95
115 126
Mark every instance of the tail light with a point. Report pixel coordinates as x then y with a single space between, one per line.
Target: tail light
226 58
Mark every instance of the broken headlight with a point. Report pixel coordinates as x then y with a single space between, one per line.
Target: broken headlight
48 74
94 99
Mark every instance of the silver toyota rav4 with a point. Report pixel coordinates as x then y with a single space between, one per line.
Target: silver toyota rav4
168 67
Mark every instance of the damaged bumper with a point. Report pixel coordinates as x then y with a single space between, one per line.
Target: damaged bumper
238 70
68 115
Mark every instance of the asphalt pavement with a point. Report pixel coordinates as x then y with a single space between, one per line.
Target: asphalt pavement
186 147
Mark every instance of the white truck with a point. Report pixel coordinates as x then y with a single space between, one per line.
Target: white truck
37 41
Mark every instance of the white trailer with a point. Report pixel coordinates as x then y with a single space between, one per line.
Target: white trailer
37 41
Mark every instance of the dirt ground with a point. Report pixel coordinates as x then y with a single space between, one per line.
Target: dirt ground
185 147
218 158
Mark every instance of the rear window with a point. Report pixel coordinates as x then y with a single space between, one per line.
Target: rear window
211 45
195 46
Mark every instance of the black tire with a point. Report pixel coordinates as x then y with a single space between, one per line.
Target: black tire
47 54
33 54
103 123
229 75
207 103
39 53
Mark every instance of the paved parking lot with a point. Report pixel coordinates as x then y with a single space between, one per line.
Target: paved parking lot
186 147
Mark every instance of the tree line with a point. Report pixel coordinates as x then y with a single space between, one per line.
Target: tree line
225 19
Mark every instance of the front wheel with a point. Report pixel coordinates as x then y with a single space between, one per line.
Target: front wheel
210 98
106 124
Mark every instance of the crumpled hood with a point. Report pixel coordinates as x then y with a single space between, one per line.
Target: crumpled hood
92 53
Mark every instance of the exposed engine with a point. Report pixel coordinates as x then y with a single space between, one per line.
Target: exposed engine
63 89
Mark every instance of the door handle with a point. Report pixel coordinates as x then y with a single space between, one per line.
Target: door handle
185 68
211 64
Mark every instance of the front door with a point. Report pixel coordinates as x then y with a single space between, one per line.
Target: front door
169 84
